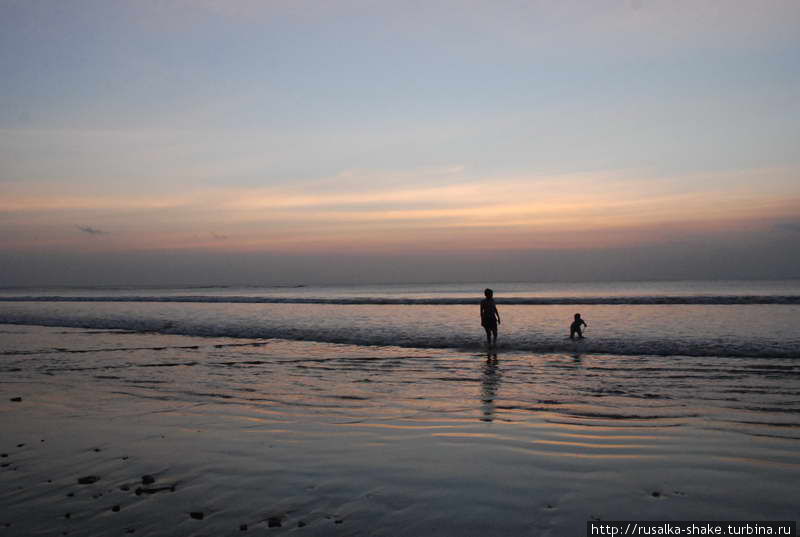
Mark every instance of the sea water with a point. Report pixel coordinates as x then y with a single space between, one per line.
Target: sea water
730 318
380 404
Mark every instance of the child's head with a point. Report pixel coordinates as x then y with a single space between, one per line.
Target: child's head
488 292
577 316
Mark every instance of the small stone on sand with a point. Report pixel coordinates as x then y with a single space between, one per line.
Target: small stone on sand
197 515
16 399
148 479
243 527
88 480
274 522
301 524
115 508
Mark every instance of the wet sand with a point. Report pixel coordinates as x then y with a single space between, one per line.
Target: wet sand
192 436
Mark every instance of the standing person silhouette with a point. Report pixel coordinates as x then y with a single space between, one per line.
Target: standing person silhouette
490 318
575 327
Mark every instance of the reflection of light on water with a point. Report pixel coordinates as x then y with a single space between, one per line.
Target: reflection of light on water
591 445
574 455
470 435
605 437
490 381
560 407
402 427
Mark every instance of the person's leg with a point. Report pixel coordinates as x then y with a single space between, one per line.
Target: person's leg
494 336
488 335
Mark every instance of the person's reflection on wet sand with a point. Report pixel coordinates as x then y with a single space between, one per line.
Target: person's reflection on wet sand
490 381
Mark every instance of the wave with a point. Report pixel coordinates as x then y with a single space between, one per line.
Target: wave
444 339
521 301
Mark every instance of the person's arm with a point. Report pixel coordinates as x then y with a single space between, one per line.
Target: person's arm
497 314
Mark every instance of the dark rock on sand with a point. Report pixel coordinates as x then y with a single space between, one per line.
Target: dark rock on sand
338 521
16 399
3 454
20 445
197 515
243 527
274 522
125 488
115 508
656 494
148 479
301 524
67 515
70 494
5 464
88 480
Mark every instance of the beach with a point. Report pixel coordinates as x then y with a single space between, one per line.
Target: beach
392 269
109 431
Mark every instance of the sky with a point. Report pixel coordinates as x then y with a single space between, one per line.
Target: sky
290 141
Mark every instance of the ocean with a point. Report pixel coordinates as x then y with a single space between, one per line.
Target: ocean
377 410
687 318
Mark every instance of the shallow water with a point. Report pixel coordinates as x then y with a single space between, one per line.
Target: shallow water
386 440
746 319
380 382
765 330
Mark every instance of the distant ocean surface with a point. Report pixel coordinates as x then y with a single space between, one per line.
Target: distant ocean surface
687 318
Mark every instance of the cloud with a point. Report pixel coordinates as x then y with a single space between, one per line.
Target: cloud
91 230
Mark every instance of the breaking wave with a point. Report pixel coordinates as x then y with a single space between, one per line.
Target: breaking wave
398 336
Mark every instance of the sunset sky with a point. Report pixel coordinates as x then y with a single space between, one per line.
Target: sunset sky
211 141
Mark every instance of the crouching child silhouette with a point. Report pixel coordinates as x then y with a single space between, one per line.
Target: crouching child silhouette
575 327
490 318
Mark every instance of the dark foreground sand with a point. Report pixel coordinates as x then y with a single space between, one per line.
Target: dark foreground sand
163 436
